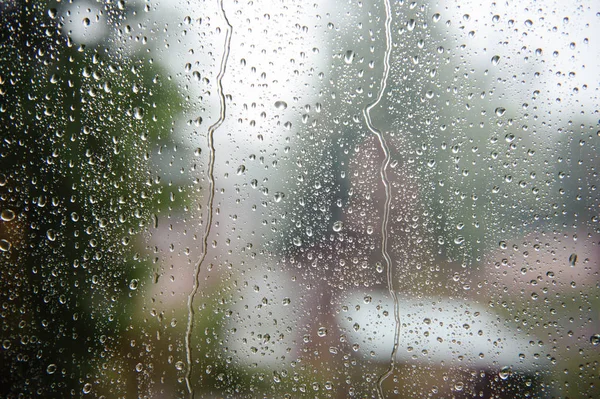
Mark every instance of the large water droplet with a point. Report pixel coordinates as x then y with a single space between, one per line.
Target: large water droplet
505 372
595 339
138 113
338 225
495 60
5 245
573 259
500 111
280 105
349 57
7 215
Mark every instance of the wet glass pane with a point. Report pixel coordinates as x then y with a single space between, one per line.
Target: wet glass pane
244 199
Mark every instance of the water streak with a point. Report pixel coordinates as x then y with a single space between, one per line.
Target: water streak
388 196
211 197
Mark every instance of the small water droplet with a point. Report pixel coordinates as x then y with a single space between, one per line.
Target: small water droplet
436 17
51 369
595 339
179 365
500 111
280 105
133 284
495 60
86 21
573 259
459 386
297 241
322 332
240 170
286 301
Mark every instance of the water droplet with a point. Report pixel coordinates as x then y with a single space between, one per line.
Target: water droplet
52 13
51 235
505 372
86 21
7 215
500 111
286 301
496 18
279 196
87 388
495 60
133 284
240 170
528 23
51 369
280 105
297 241
595 339
459 386
179 365
349 57
322 332
573 259
436 17
121 4
356 326
138 113
337 226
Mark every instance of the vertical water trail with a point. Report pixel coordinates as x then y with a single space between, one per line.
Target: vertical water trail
211 197
388 196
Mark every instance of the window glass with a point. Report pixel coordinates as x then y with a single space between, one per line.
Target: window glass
294 199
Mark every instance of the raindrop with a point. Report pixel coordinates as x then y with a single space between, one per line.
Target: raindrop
51 235
495 60
179 365
505 372
280 105
51 369
133 284
86 21
240 170
436 17
500 111
5 245
573 259
7 215
52 13
595 339
279 196
322 332
349 57
337 226
138 113
87 388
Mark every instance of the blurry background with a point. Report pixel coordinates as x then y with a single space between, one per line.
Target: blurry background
490 113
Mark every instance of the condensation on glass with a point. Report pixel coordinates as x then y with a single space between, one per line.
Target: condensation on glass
243 199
